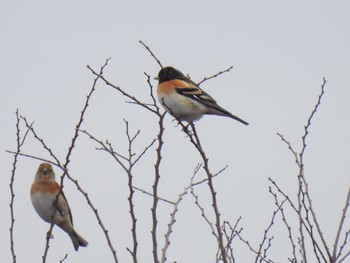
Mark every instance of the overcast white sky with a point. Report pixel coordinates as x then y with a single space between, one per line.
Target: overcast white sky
279 50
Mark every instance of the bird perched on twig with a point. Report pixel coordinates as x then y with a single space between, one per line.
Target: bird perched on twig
44 193
184 99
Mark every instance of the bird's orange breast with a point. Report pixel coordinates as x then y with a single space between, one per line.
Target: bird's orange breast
168 87
45 187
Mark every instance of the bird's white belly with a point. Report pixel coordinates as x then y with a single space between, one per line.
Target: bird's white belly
43 205
182 107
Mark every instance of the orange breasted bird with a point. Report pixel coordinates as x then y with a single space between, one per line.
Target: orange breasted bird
43 193
184 99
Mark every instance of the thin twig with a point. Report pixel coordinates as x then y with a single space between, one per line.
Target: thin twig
340 227
301 155
43 144
194 139
210 224
284 219
155 104
229 238
215 75
266 231
16 154
159 148
152 54
132 191
313 240
69 153
150 194
127 163
173 216
63 259
213 176
238 233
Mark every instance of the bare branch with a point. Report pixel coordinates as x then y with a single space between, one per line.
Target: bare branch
306 128
229 237
132 98
307 192
194 139
173 214
150 194
238 233
284 219
210 224
340 227
215 75
128 169
155 104
213 176
159 148
344 257
20 142
295 154
63 259
33 157
44 145
152 54
312 237
266 231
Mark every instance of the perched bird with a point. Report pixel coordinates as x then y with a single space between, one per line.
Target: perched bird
183 99
43 194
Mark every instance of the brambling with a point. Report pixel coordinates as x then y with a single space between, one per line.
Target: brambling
43 193
184 99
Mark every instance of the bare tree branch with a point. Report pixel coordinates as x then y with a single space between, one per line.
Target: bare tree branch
301 155
132 98
215 75
336 255
284 219
152 54
194 139
173 215
20 142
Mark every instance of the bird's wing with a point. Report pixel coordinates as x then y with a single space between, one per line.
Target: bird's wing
63 207
196 93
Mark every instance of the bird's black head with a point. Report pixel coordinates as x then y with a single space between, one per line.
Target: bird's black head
169 73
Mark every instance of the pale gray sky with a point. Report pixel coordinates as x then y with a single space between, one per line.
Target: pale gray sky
280 52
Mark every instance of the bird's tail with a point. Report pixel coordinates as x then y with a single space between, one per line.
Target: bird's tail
217 110
236 118
78 241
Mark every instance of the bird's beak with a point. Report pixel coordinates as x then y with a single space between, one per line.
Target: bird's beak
156 78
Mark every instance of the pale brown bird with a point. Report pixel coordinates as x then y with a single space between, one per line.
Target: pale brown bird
43 193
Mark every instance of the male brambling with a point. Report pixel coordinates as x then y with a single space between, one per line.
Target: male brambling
44 194
183 99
